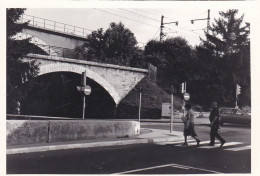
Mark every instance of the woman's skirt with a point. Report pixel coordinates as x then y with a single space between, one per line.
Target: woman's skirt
190 131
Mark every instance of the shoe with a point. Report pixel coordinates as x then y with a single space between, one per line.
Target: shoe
222 143
198 142
211 144
184 145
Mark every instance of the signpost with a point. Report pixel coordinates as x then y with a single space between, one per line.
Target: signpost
140 103
186 96
238 91
172 90
85 90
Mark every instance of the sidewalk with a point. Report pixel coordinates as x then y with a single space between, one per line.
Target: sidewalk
146 136
197 121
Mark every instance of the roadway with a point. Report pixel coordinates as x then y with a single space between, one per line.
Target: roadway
158 158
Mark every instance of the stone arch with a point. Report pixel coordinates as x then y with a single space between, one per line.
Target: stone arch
68 67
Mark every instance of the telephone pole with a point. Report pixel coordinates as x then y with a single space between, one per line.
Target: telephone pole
208 20
161 32
162 26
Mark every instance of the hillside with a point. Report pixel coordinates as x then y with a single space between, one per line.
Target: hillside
152 98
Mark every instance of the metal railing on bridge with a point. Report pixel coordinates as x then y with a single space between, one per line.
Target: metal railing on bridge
57 51
54 25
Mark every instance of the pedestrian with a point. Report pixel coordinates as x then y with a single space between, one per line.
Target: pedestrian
214 119
188 121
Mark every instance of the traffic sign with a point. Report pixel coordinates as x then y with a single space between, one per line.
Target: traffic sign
87 90
186 96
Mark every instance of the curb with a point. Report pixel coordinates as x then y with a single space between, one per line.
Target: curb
89 145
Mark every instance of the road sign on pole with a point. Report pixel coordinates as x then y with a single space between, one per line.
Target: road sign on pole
83 85
85 90
186 96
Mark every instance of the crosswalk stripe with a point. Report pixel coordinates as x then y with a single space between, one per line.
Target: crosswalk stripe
192 142
195 143
239 148
216 146
173 142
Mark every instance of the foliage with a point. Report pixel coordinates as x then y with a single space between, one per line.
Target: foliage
174 59
18 71
225 57
116 45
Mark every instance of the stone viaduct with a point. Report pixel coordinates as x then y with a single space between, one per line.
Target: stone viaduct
118 81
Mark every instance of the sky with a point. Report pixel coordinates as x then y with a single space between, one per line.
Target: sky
143 22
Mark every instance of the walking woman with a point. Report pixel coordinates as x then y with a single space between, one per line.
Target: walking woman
188 121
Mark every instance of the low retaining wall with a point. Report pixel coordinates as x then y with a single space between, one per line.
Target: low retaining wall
44 131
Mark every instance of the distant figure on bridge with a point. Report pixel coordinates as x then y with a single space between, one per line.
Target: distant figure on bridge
214 119
189 130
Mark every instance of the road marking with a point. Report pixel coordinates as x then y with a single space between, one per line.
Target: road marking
225 145
239 148
217 145
167 165
195 143
172 142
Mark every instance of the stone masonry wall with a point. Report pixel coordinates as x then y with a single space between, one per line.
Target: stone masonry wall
44 131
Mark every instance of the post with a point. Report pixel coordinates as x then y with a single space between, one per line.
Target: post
236 101
161 32
44 23
64 28
84 84
208 25
140 103
184 108
171 108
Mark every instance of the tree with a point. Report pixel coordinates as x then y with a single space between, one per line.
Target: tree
174 60
18 71
227 54
117 45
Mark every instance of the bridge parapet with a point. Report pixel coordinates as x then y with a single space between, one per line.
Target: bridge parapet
51 25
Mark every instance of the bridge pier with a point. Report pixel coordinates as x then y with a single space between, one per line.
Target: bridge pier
115 111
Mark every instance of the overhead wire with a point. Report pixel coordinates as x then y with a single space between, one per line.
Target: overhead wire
187 32
125 17
143 16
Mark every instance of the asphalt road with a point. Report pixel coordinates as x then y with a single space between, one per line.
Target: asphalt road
161 158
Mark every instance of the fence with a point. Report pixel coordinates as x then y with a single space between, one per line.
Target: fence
54 25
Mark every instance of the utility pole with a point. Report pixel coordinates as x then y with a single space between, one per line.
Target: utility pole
208 20
162 26
161 32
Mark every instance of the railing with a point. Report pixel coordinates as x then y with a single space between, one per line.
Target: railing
33 117
54 26
57 51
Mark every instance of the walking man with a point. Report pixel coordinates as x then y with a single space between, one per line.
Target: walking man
214 119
